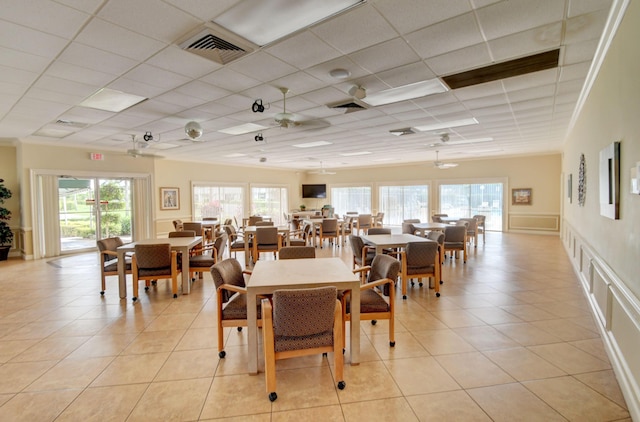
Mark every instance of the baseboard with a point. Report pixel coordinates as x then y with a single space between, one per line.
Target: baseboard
616 310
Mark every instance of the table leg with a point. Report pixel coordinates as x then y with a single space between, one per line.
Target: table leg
355 326
122 276
186 285
252 330
246 250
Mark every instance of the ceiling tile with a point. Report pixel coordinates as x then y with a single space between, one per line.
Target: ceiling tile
585 27
505 18
409 15
183 62
407 74
386 55
79 74
303 50
526 43
115 39
229 79
438 39
262 66
46 16
580 7
28 40
21 60
93 58
460 60
156 77
355 30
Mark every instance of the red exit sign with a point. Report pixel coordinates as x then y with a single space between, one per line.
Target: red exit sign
97 156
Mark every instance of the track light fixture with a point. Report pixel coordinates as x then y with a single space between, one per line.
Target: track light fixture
147 136
259 137
257 106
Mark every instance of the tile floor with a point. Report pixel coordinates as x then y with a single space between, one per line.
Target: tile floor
511 338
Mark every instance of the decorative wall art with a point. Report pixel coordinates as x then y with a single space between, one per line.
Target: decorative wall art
634 179
169 198
521 196
582 181
610 181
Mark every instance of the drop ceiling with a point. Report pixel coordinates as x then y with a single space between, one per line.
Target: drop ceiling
56 54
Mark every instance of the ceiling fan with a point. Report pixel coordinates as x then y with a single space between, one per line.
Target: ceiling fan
288 120
445 140
322 170
139 146
442 165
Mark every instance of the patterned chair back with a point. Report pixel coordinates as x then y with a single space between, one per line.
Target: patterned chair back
227 271
379 230
153 257
384 266
183 233
297 252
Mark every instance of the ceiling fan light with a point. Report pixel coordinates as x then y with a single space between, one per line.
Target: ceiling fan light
193 130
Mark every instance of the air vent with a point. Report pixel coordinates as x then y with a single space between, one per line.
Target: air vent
508 69
70 123
349 106
216 45
402 132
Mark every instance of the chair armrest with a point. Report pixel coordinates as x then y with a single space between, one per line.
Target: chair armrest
248 272
376 283
361 269
233 288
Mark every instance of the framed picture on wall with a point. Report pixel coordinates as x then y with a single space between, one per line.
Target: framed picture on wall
521 196
569 187
169 198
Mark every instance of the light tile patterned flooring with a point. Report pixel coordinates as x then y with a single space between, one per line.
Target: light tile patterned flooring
511 338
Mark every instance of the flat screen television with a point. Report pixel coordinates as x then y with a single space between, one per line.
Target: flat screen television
314 191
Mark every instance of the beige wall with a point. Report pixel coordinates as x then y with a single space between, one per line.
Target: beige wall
611 113
9 172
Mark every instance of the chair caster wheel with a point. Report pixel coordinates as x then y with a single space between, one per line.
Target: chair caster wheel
324 355
412 284
341 385
154 283
441 282
438 294
404 297
374 322
134 298
222 354
392 343
146 288
420 284
273 396
239 329
175 295
102 293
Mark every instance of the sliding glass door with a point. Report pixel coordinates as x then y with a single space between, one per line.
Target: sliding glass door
401 202
91 209
468 199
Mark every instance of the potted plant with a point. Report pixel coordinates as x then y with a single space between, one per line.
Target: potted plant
303 207
6 234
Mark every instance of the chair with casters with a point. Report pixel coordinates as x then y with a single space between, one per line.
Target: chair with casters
187 233
301 322
328 230
177 225
363 223
253 219
211 255
200 231
362 254
231 292
235 239
438 236
380 282
481 220
266 239
297 252
408 228
411 220
437 218
264 223
109 259
455 239
472 230
420 259
378 220
301 237
153 262
379 230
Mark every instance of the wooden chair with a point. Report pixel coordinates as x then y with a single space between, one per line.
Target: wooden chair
378 220
420 259
266 239
438 236
481 219
380 282
153 262
328 230
437 218
301 322
362 254
235 239
231 295
363 223
297 252
211 255
455 240
109 259
472 231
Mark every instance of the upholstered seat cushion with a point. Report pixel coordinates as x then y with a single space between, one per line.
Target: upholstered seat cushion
370 301
201 261
148 272
236 308
112 265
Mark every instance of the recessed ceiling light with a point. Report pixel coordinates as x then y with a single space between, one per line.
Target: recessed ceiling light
312 144
446 125
235 155
242 129
111 100
406 92
53 133
263 22
353 154
339 73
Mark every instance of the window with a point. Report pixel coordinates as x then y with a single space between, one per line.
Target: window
351 199
270 201
214 201
401 202
467 200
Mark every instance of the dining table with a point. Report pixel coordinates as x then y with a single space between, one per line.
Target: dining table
317 222
422 228
269 276
386 241
250 231
180 244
